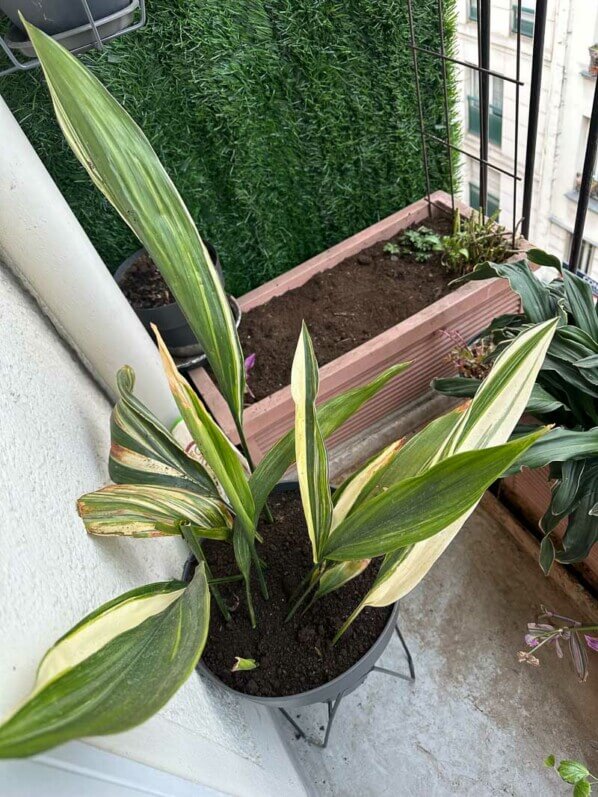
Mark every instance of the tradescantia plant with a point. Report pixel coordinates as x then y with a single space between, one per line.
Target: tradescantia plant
565 393
122 662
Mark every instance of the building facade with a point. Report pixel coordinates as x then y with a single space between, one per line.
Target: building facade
568 85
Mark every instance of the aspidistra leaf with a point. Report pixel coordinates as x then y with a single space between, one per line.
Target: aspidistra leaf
513 378
418 508
213 444
332 414
114 669
123 165
141 510
142 449
310 452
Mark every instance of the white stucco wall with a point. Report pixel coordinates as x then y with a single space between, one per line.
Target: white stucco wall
54 439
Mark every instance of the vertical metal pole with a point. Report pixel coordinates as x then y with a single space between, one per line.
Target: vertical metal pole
516 137
534 109
447 116
589 164
422 128
483 24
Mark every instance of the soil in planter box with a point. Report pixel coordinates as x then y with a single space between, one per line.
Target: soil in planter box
343 307
295 656
144 286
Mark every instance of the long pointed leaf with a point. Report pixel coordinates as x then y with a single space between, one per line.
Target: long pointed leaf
114 669
121 162
214 445
332 414
143 451
420 507
310 452
138 510
535 297
406 570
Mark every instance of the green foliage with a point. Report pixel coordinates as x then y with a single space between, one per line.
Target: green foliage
93 682
568 382
575 773
286 126
473 240
420 243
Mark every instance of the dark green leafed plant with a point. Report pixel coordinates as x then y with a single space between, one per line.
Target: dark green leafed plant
122 662
565 393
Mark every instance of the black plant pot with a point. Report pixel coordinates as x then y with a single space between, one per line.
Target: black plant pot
327 693
67 21
169 318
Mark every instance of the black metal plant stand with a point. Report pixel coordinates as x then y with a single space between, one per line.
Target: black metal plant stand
333 704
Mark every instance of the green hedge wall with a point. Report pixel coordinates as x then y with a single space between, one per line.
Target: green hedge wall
287 125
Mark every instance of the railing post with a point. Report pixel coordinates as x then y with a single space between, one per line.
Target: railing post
587 175
483 7
534 110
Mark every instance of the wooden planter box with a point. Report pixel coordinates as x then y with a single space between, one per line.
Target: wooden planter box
528 493
468 309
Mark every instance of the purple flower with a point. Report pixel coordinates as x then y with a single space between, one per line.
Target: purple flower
531 641
249 362
591 642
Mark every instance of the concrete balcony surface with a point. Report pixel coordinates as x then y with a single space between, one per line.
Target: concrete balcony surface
475 722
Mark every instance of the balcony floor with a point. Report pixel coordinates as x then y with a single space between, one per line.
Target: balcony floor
475 721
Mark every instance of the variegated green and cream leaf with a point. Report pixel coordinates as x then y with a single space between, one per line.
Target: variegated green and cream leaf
114 669
420 507
214 445
487 423
332 414
142 449
142 510
123 165
310 452
356 486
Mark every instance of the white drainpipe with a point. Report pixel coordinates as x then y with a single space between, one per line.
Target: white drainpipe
44 244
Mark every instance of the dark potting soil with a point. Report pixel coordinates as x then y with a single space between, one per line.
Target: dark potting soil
343 307
294 656
144 286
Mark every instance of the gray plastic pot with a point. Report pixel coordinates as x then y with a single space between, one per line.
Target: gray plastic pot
79 37
169 318
58 16
341 685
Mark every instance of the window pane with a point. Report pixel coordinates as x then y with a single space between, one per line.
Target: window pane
473 9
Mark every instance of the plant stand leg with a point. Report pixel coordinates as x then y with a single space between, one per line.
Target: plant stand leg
332 709
394 673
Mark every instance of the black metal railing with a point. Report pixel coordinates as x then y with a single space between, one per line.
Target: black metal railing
485 120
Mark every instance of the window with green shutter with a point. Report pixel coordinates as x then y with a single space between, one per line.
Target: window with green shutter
528 18
493 205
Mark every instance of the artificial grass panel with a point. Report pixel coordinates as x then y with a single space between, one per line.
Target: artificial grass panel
287 125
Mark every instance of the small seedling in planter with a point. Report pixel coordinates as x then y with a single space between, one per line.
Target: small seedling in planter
474 240
421 243
392 249
472 360
244 665
574 773
396 514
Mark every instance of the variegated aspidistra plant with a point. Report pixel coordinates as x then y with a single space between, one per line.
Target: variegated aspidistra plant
121 663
